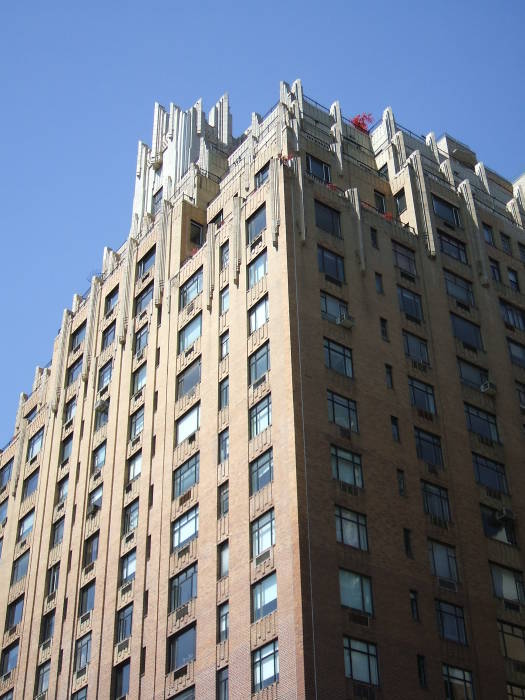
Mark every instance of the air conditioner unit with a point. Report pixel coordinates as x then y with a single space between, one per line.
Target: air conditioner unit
139 355
345 321
505 514
488 388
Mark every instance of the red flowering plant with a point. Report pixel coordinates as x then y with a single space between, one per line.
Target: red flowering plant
362 121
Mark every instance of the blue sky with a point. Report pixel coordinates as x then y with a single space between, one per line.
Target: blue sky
79 81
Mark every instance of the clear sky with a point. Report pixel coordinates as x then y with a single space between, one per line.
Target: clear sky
79 81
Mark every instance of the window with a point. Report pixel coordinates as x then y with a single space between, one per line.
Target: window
224 256
446 211
30 484
356 591
66 449
443 561
223 622
488 234
512 640
3 511
99 456
459 288
127 567
451 622
48 627
318 168
346 466
134 466
351 528
410 304
256 224
196 234
452 247
505 243
401 201
141 339
110 301
77 337
257 269
383 327
373 238
327 219
190 333
435 501
482 423
468 333
95 497
224 345
190 289
156 206
472 374
131 517
223 559
407 541
338 357
185 528
331 264
9 659
104 375
14 613
332 308
258 315
25 525
394 424
30 417
513 279
124 623
259 363
90 549
515 692
520 389
189 379
101 414
224 300
188 424
265 666
223 692
379 283
507 583
224 446
82 652
422 395
183 587
139 378
261 472
389 376
414 606
146 262
223 501
342 411
360 661
260 416
513 317
143 299
401 483
421 671
262 175
5 473
379 202
495 270
122 671
458 683
53 575
404 259
181 649
224 393
263 533
42 677
86 599
489 473
20 566
108 335
57 532
517 353
34 446
136 423
264 597
186 476
497 527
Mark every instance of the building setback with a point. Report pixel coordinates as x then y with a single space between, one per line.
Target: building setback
278 451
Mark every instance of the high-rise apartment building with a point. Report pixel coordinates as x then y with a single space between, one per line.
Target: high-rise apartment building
279 450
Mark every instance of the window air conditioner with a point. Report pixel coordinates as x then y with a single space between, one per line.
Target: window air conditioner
488 388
